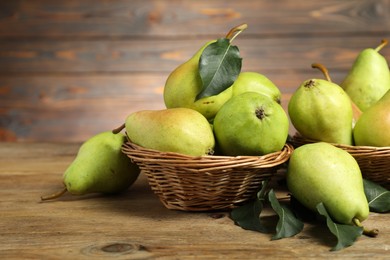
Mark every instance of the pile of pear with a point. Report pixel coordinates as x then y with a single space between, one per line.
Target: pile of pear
244 119
355 112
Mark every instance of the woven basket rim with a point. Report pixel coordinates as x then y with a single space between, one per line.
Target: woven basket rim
206 162
353 148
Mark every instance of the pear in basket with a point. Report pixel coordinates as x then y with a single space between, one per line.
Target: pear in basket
249 81
322 173
373 126
320 110
185 83
99 167
369 77
251 124
180 130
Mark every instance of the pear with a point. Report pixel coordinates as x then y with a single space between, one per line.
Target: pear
184 84
180 130
99 167
320 110
251 124
368 79
321 172
373 126
255 82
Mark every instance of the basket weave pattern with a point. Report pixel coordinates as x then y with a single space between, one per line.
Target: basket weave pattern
374 162
207 182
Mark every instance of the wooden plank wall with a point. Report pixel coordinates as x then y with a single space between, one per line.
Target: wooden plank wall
70 69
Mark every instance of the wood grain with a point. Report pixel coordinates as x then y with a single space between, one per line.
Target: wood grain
135 225
45 18
70 69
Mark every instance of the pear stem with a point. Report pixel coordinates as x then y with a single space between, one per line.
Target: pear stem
323 69
118 129
235 31
54 195
384 42
368 232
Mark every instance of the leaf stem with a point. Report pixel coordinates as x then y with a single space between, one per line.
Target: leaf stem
368 232
384 42
54 195
235 31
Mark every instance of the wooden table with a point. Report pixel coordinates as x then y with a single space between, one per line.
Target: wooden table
135 225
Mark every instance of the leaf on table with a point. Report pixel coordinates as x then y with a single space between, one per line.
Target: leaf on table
248 216
219 66
288 225
346 234
377 196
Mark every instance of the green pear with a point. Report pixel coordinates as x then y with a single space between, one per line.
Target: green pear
184 83
320 172
368 79
255 82
373 126
322 111
180 130
99 167
251 124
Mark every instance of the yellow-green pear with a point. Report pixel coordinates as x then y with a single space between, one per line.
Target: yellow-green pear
373 126
320 172
183 85
368 79
321 110
249 81
99 167
180 130
251 124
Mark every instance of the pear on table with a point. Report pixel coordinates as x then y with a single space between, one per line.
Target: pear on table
99 167
320 172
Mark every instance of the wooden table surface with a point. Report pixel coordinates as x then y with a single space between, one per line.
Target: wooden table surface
135 225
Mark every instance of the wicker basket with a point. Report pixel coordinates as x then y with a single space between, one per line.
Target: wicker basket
205 183
374 162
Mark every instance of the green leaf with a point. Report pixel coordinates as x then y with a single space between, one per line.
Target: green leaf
219 66
248 216
288 225
346 234
377 196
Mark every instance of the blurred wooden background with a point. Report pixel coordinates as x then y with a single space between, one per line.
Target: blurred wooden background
70 69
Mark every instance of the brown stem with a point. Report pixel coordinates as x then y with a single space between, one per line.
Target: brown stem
235 31
54 195
323 69
368 232
384 42
118 129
